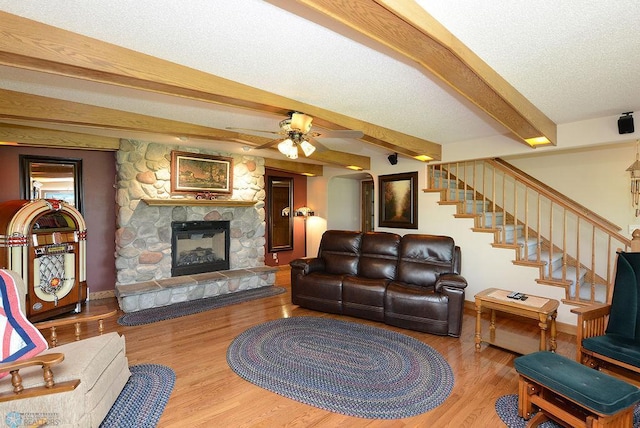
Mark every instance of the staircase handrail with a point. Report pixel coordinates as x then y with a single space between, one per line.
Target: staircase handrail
559 198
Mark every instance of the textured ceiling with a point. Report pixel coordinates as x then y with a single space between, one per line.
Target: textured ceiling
574 60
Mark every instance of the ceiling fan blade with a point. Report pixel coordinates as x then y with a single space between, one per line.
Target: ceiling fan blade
262 131
347 133
268 144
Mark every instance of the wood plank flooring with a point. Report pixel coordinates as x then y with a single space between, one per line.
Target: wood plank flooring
208 393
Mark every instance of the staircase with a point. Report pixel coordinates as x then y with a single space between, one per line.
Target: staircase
572 247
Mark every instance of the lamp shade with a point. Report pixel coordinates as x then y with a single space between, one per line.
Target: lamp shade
307 148
301 122
304 212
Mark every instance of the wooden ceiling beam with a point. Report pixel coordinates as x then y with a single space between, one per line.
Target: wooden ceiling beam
42 110
311 170
36 46
408 29
39 137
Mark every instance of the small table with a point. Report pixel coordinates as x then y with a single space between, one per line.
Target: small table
540 308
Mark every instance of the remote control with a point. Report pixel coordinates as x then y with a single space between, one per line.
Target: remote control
523 297
512 295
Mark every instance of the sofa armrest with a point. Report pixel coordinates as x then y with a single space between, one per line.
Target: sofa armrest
307 265
450 280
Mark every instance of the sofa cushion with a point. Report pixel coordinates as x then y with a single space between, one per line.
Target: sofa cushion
363 297
340 251
416 308
422 258
20 339
320 291
379 255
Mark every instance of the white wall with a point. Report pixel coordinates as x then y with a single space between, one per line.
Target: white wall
344 193
595 177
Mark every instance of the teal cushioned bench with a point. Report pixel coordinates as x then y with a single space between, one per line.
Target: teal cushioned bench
598 392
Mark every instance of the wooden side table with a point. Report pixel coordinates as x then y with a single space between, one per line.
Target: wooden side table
539 308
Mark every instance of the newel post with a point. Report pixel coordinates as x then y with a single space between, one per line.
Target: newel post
635 241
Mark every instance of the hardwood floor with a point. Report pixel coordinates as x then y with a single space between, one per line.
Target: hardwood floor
208 393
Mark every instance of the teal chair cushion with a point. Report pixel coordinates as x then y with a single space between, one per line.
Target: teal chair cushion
624 320
616 347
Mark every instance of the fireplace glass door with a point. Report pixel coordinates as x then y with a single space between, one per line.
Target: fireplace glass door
199 246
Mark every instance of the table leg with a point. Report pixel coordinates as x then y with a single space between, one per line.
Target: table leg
553 332
478 338
543 331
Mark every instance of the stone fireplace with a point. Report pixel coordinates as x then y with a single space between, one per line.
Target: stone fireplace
199 246
146 210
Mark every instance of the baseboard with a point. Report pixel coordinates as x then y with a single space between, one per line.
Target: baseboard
560 327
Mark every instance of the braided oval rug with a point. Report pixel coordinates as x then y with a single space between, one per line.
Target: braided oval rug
344 367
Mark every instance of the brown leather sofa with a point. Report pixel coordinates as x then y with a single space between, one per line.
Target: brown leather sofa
411 281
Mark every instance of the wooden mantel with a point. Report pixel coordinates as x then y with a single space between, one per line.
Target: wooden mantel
198 202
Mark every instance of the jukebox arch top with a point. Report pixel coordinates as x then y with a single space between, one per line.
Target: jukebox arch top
44 241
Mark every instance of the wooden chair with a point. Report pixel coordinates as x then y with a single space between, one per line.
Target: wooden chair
608 335
75 385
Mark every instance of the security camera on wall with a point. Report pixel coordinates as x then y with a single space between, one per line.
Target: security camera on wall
393 159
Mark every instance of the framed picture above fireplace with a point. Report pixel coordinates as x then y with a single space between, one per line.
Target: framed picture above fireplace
198 173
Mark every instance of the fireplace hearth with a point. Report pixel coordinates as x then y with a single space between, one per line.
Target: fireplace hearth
199 246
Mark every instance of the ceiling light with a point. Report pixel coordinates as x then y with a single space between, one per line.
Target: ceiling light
423 158
355 168
307 148
285 146
537 141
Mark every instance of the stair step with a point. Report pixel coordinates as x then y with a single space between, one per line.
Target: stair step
480 206
556 260
510 231
600 293
444 183
459 194
486 219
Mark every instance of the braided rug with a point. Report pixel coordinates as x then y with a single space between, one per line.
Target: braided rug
507 409
343 367
143 398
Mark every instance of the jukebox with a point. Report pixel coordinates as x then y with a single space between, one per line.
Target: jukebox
44 241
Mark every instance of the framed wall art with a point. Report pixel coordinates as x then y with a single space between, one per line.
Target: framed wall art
398 200
195 172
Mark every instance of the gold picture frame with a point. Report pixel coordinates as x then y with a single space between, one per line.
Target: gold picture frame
198 173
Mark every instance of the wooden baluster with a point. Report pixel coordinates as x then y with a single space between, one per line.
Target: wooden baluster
550 269
565 257
77 330
54 337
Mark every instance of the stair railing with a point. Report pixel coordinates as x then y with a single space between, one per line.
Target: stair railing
573 247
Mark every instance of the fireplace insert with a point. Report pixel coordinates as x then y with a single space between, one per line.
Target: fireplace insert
199 246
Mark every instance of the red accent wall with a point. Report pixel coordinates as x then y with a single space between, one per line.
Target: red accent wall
98 176
299 200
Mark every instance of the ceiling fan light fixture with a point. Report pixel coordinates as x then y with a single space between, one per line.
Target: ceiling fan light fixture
285 146
307 148
301 122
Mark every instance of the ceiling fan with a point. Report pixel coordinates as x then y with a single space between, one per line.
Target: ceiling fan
296 132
